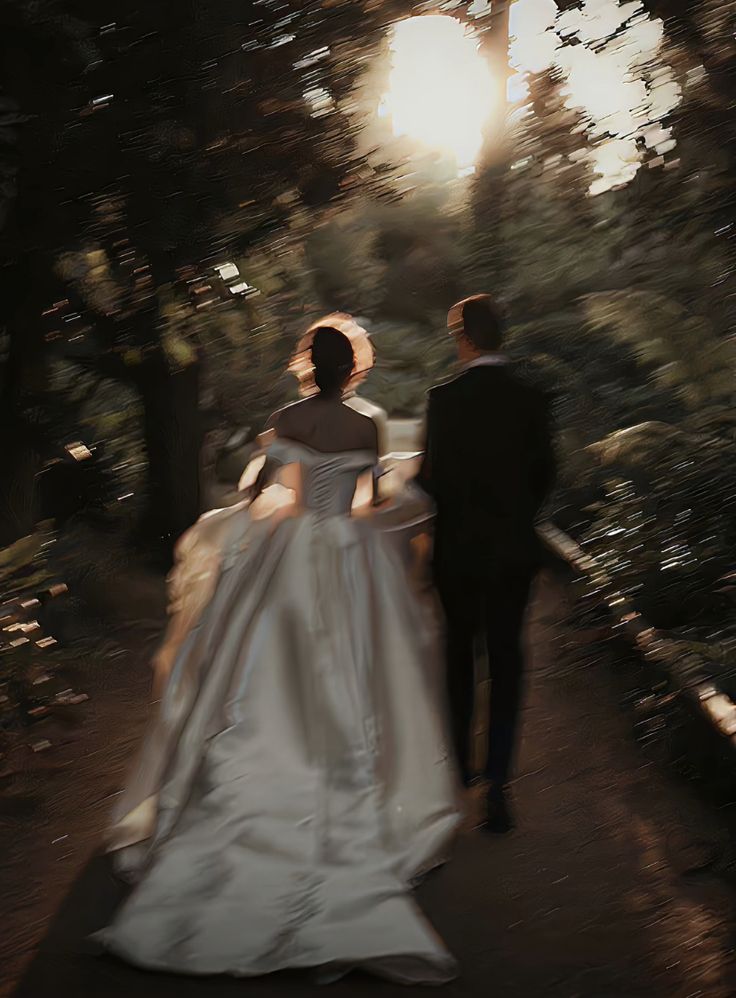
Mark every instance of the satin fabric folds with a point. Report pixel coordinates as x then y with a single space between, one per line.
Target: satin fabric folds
295 779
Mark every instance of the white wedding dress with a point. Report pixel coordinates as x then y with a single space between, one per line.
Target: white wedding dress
295 780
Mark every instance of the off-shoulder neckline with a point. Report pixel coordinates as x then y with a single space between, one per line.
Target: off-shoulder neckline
325 453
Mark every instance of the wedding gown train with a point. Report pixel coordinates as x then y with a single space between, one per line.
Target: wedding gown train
295 779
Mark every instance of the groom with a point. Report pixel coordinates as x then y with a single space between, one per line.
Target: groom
488 465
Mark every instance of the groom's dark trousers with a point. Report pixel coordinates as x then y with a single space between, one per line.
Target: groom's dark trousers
492 610
489 465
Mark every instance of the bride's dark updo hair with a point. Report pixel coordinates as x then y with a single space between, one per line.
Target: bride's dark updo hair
332 359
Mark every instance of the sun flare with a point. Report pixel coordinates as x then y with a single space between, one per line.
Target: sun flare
613 61
441 91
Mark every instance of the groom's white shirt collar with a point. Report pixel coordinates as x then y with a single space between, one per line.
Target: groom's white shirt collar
486 360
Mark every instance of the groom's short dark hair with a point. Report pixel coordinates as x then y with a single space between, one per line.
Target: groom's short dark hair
482 322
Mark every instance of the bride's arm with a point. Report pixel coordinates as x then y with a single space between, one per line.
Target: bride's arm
425 479
259 469
191 585
366 495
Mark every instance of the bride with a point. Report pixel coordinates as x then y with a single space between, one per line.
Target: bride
295 781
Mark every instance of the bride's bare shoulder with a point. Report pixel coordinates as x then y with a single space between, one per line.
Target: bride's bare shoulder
365 429
284 414
325 426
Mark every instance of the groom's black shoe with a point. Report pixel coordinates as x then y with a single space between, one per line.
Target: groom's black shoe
498 818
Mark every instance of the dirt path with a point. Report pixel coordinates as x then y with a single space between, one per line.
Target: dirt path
53 804
610 887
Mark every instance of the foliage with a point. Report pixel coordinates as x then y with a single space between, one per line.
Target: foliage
679 349
665 531
161 141
26 581
183 136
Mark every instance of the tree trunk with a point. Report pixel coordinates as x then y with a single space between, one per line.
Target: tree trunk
497 49
20 464
22 376
173 439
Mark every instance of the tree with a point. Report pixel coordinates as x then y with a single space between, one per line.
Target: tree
166 140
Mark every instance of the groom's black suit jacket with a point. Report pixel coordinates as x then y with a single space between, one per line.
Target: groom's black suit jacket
489 465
